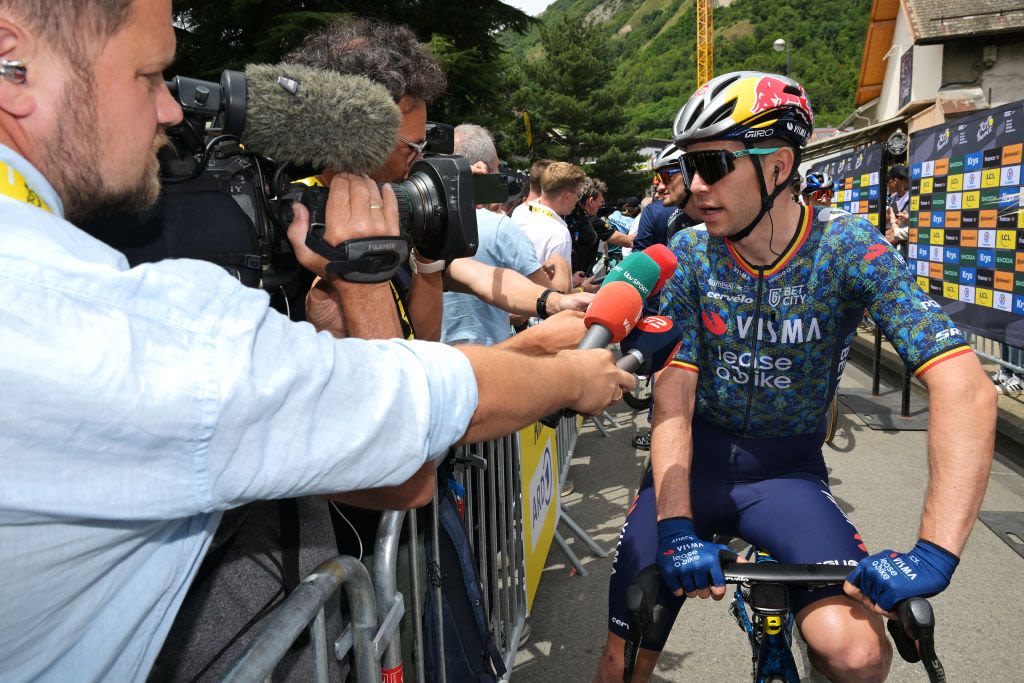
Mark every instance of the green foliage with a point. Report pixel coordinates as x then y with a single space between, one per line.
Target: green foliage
574 111
229 34
654 63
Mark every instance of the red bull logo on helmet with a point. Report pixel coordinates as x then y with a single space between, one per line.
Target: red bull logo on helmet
770 92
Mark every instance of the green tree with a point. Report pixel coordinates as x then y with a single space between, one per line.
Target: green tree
213 36
576 115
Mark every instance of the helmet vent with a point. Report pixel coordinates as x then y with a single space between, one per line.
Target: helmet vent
697 111
725 83
722 113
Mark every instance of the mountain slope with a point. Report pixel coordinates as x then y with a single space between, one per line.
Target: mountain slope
653 43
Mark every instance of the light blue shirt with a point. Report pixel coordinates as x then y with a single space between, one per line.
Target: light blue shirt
469 320
138 403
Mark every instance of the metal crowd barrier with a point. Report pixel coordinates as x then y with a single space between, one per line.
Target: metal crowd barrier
493 515
566 434
993 351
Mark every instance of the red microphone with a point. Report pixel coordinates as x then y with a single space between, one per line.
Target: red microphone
612 315
666 261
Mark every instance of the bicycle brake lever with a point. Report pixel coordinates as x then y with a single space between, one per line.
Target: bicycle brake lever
917 623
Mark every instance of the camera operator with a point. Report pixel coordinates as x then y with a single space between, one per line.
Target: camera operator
143 402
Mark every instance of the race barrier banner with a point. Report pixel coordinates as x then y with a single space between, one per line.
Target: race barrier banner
858 187
539 471
966 241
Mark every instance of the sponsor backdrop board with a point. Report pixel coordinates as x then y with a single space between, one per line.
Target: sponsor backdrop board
966 224
856 175
539 477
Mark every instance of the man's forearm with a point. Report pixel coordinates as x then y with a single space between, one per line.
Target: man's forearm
368 310
620 239
961 442
501 287
426 305
672 442
561 280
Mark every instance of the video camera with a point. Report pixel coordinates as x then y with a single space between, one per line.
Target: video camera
224 203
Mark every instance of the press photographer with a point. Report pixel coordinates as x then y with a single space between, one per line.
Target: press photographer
142 402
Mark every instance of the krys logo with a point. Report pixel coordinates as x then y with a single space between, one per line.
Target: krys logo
985 128
943 139
713 322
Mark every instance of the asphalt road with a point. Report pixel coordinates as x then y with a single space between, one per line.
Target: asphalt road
878 478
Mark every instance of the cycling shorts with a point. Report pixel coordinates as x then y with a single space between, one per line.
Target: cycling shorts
771 492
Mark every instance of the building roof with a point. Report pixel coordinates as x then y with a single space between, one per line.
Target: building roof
931 21
881 26
935 21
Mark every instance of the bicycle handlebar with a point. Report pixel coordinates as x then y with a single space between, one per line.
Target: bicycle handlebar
913 633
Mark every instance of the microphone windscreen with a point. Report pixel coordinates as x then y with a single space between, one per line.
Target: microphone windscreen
617 307
657 338
666 261
638 270
319 118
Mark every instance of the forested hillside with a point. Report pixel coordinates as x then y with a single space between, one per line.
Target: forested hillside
651 46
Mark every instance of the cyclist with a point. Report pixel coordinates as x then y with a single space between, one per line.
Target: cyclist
768 296
817 189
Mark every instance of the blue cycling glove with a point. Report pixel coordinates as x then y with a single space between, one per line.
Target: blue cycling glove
686 561
888 578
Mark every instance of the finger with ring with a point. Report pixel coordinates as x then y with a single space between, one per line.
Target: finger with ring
374 205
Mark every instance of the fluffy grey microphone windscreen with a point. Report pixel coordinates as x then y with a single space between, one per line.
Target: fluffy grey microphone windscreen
319 118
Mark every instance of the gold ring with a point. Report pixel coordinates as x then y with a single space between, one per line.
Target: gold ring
376 206
617 397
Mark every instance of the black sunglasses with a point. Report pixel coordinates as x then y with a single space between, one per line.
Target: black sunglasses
714 164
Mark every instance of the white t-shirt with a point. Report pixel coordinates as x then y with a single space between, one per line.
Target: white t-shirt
545 229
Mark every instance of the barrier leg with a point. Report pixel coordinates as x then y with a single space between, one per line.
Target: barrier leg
436 587
600 427
876 364
570 555
417 588
578 531
277 632
385 582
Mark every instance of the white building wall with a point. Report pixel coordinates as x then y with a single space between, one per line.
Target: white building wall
927 74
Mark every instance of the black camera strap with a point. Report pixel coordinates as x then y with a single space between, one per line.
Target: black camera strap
364 260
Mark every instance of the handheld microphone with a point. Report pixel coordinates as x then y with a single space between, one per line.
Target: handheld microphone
650 346
611 316
638 270
318 119
666 261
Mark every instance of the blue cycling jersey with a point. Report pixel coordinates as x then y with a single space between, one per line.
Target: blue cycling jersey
769 343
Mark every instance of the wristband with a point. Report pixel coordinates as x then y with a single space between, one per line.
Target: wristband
542 303
421 268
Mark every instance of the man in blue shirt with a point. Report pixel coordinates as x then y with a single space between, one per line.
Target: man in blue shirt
140 403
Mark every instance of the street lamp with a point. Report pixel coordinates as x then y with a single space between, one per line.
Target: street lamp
780 45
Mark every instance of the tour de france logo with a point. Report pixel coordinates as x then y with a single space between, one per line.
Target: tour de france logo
943 139
860 161
985 128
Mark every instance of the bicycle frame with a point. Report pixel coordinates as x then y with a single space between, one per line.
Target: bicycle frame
770 631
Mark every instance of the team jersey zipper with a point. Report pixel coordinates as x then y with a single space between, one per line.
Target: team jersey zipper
753 352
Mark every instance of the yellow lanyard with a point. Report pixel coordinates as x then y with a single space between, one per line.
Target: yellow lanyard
537 208
14 185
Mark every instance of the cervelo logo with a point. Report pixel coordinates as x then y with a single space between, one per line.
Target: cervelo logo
713 322
739 298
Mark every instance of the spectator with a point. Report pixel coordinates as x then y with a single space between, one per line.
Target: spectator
542 221
182 393
897 215
502 245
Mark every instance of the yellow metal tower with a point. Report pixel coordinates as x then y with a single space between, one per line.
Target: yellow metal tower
705 42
